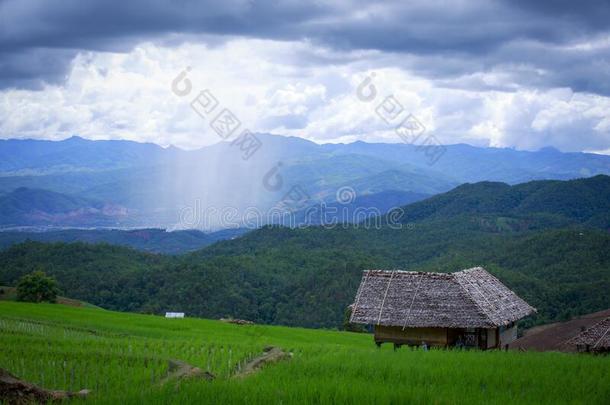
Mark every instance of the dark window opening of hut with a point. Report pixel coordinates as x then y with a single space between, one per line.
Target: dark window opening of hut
470 308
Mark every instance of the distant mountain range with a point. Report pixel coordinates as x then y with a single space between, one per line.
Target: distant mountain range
485 206
82 183
37 207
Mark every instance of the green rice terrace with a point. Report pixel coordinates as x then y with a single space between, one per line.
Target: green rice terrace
125 358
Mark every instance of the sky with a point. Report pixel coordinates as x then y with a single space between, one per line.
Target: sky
519 74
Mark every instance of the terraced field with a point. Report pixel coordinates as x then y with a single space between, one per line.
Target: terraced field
123 358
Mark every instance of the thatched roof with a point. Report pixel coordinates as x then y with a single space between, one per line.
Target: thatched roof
553 337
470 298
597 337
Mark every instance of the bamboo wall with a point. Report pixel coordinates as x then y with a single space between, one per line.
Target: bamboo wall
484 338
508 335
492 338
411 336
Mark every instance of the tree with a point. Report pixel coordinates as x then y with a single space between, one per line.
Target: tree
37 287
348 326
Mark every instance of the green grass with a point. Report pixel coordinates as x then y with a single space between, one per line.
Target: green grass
122 357
10 294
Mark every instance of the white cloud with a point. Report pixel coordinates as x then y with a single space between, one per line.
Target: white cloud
294 88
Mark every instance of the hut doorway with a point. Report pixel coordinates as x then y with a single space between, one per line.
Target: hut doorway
468 338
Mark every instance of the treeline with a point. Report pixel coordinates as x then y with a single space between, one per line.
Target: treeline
547 240
307 277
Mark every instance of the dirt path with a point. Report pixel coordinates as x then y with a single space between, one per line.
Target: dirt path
270 355
17 392
179 370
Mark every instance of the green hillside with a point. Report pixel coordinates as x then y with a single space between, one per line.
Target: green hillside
307 277
124 358
10 294
552 254
576 201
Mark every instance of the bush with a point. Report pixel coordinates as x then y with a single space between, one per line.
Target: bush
351 327
37 287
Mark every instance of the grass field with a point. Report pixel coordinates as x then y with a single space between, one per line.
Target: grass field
123 357
10 294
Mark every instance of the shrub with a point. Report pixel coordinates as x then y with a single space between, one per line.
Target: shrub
37 287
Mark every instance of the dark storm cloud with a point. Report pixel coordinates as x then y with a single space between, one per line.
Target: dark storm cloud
590 14
31 30
439 39
30 68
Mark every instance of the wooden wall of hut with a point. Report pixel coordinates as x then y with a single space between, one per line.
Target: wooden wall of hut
411 336
443 337
508 334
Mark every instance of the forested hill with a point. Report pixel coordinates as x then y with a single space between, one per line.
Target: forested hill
538 238
583 200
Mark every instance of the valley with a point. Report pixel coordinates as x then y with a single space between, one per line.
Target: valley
547 240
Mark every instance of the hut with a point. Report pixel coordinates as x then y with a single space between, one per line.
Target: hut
596 339
174 314
469 308
558 336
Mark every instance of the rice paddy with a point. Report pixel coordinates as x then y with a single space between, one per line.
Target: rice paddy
123 358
